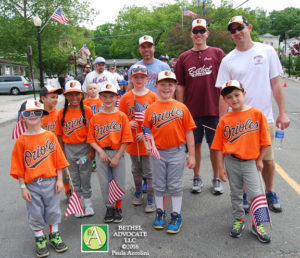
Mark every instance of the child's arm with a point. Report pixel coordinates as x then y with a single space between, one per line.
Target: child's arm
59 181
103 155
259 161
24 191
91 154
220 163
133 124
115 160
61 143
191 148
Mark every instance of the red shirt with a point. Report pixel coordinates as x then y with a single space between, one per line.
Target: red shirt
197 72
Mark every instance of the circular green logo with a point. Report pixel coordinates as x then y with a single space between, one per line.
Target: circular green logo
94 237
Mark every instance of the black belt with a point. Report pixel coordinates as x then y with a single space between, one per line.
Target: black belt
232 155
107 148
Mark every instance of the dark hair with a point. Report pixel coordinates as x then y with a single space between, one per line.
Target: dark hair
66 108
229 89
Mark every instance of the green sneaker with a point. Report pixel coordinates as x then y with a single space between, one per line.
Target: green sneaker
237 228
57 243
261 233
41 246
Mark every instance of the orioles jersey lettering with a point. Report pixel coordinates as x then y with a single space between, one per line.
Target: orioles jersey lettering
102 131
160 119
34 158
50 126
71 126
233 133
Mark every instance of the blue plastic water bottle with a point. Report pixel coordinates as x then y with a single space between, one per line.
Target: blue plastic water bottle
279 136
82 160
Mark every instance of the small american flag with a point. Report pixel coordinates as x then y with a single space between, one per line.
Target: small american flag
149 137
139 112
19 128
259 210
86 50
114 191
74 206
59 16
188 12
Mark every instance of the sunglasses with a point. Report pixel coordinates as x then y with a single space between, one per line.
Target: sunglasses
37 113
202 31
139 69
239 28
87 67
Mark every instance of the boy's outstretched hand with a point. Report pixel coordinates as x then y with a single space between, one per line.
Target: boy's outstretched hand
223 174
191 162
26 194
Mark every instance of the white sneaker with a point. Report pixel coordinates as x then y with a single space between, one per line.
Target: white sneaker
88 207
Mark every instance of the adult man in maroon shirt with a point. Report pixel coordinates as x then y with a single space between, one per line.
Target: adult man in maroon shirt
196 71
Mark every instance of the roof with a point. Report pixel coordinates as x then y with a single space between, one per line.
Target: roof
3 61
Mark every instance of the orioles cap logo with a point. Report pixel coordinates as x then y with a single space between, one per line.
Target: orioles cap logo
72 84
37 103
198 21
108 86
146 37
167 73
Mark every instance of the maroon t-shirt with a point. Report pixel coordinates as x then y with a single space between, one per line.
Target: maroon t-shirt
197 71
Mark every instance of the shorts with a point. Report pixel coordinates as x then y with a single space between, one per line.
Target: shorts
270 150
210 121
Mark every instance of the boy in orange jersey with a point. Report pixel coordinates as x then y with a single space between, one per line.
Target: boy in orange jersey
241 140
109 134
49 97
141 97
172 126
37 162
93 100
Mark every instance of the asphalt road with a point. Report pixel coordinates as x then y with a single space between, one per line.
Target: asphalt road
207 218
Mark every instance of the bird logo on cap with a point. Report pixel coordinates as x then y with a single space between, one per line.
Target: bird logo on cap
146 37
72 84
198 21
108 86
167 73
37 103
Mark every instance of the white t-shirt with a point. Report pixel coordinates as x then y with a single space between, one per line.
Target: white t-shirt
99 78
254 68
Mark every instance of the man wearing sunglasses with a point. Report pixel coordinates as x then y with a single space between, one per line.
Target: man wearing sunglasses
153 65
258 68
86 70
196 72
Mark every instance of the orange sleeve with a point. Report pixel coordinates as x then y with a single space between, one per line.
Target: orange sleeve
58 127
17 160
126 133
265 139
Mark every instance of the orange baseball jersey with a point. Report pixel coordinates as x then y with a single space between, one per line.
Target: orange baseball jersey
95 104
242 134
127 106
109 130
74 131
36 156
169 121
49 121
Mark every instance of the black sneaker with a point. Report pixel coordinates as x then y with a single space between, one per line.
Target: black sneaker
41 246
273 202
109 216
57 243
237 228
118 215
261 233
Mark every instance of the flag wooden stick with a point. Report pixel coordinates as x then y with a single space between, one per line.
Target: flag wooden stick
70 179
209 127
138 147
263 190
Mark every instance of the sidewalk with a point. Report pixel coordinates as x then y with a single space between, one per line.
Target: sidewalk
9 106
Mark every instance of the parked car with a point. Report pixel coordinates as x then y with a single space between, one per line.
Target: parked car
14 84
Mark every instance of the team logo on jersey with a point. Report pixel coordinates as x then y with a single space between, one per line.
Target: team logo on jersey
258 60
50 126
207 58
201 71
103 131
100 80
71 126
167 116
37 156
233 133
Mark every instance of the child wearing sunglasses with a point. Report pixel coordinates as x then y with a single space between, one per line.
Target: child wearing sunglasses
134 102
37 162
71 130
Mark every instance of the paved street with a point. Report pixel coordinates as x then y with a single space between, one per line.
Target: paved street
207 218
